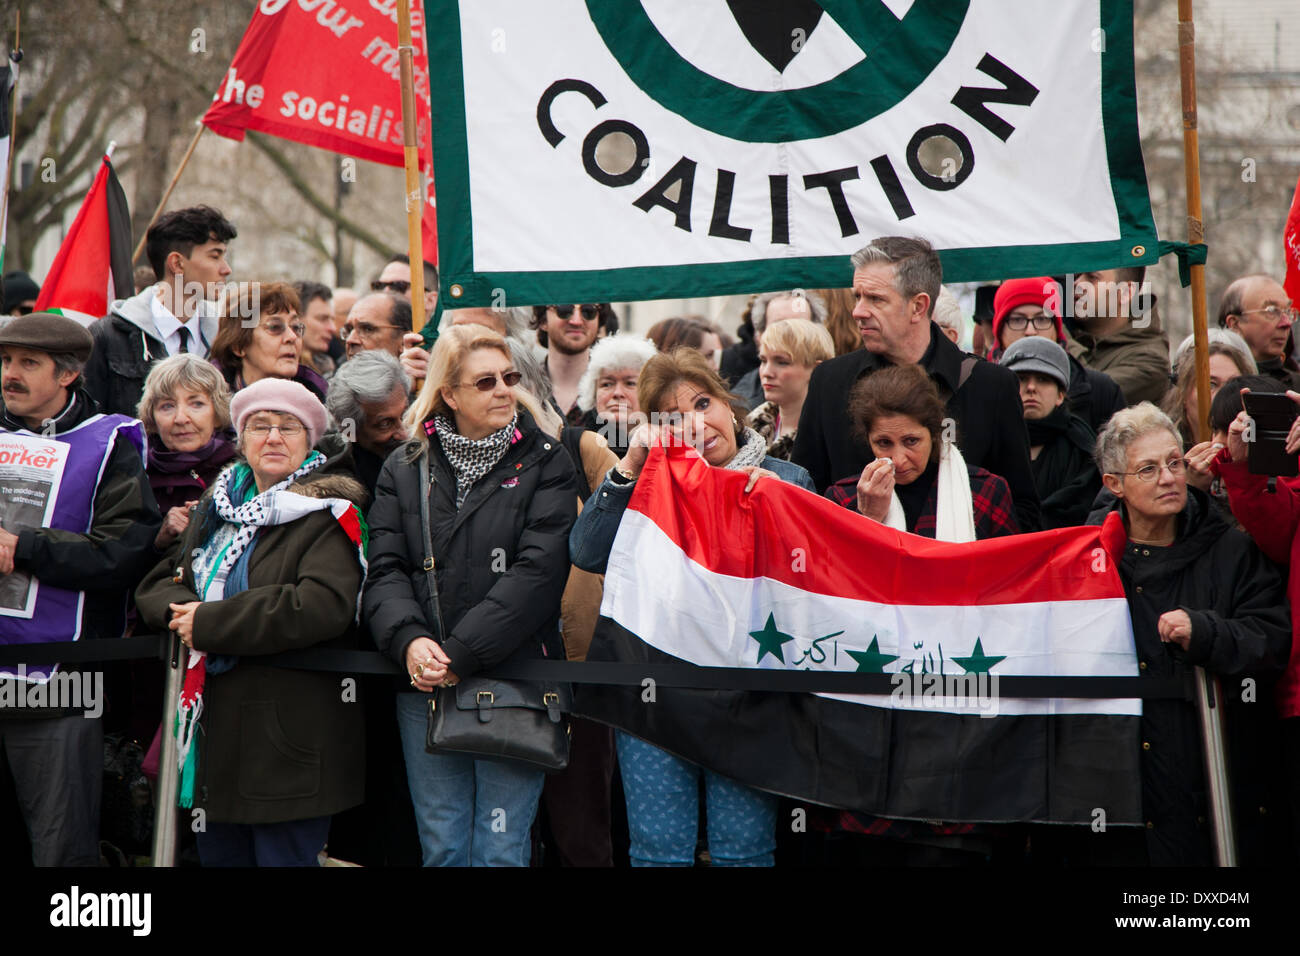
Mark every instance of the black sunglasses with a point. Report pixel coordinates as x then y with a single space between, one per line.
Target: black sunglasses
400 286
589 312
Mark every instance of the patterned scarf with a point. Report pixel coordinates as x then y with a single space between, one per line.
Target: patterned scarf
221 555
751 453
470 458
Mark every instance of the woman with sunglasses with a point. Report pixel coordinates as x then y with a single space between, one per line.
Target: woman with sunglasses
501 497
261 337
1200 593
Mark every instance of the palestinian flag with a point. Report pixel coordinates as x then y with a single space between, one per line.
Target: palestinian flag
782 579
8 81
93 266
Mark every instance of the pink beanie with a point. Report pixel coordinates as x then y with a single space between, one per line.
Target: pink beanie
280 395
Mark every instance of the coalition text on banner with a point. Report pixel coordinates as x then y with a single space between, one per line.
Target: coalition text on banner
712 154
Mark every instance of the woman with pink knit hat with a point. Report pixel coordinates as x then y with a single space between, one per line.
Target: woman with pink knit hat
273 560
1023 307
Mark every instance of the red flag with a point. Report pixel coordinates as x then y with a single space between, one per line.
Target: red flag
1291 249
326 76
93 266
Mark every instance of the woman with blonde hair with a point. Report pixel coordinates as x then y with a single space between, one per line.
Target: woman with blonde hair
501 498
787 355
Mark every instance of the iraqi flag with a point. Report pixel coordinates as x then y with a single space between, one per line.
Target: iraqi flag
782 579
93 266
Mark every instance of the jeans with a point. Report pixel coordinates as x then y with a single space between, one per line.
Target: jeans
293 843
663 815
469 812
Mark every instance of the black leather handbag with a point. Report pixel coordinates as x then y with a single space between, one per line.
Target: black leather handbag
510 720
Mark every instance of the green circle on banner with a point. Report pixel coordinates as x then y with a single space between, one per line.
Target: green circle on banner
900 54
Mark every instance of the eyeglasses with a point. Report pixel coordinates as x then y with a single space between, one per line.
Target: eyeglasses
400 286
488 382
590 313
276 328
263 430
1275 312
1018 323
1176 466
364 329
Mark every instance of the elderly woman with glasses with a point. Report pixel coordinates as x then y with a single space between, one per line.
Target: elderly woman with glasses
501 497
273 561
1200 593
261 337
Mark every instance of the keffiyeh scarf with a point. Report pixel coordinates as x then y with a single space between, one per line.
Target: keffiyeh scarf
470 458
220 569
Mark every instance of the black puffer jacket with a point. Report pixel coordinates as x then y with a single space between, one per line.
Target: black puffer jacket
502 559
1240 629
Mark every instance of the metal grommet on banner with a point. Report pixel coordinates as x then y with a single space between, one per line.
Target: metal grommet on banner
457 290
1138 251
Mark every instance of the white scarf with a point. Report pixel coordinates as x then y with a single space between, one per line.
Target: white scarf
954 518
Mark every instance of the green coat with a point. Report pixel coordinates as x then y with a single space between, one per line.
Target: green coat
275 744
1136 359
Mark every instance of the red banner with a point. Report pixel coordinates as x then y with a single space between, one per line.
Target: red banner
1291 249
327 75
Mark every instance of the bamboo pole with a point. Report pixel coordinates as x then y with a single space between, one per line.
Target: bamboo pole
16 54
1209 695
1195 226
414 198
167 193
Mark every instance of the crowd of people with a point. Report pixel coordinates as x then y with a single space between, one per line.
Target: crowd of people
272 466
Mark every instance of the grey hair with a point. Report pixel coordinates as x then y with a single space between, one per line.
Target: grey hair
372 376
758 310
1125 427
183 370
947 310
67 362
612 352
916 265
1235 294
535 379
1219 342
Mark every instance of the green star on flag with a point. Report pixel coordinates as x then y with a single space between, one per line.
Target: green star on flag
978 662
871 661
770 640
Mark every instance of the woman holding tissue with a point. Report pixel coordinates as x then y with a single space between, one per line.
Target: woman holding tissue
919 482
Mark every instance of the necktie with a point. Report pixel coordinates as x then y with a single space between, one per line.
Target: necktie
185 339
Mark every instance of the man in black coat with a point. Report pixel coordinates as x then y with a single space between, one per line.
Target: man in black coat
895 283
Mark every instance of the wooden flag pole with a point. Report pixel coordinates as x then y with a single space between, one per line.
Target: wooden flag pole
167 193
17 51
1209 693
1195 227
414 199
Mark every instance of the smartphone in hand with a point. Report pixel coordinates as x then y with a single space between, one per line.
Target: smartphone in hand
1273 414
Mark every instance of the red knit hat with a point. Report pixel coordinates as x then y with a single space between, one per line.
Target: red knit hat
1018 292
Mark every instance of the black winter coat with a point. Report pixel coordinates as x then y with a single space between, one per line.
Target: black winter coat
990 420
1237 603
1093 395
501 559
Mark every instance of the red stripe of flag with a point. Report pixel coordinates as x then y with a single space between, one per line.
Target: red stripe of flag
810 543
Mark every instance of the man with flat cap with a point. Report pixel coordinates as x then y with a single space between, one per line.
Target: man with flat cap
74 570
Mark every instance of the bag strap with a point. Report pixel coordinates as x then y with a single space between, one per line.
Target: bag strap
426 490
571 436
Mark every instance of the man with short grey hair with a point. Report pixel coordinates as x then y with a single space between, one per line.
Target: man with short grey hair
896 281
366 400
